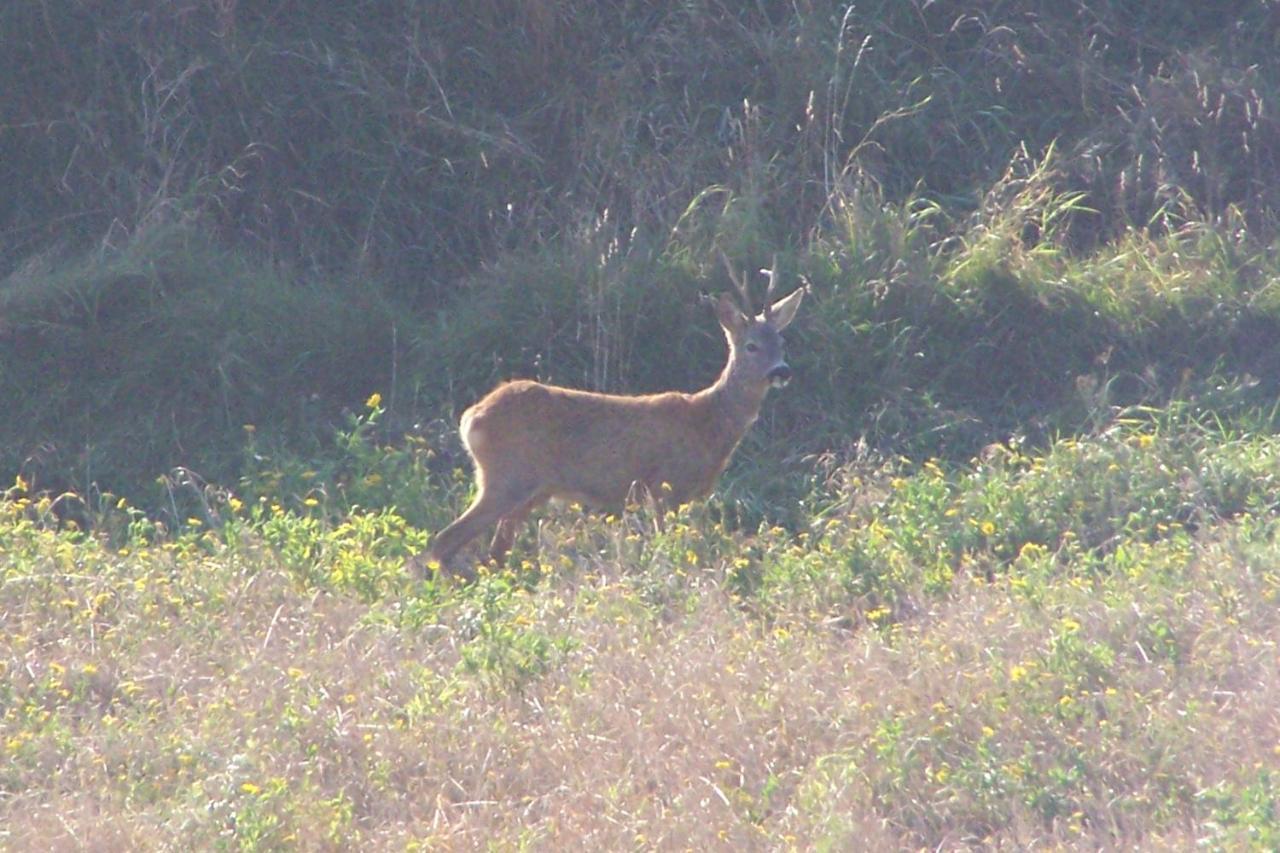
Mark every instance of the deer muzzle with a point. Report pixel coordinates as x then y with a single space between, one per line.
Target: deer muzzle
779 376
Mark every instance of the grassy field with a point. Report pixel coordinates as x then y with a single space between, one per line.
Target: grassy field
1074 646
999 569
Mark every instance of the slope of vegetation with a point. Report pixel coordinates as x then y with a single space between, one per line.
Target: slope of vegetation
997 569
232 214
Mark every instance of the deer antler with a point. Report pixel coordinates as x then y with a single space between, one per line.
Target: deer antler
739 284
772 273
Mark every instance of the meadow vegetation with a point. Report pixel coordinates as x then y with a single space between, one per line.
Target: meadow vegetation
997 569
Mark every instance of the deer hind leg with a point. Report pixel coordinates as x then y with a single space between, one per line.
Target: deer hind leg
488 507
509 527
642 495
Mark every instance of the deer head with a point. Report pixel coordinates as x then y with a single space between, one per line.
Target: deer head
756 347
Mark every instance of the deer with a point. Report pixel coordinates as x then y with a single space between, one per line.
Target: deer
531 442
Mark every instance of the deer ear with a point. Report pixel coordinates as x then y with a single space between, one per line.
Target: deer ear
782 312
729 315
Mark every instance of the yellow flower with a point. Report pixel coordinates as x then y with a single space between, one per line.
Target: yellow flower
988 528
374 401
310 502
250 788
1031 551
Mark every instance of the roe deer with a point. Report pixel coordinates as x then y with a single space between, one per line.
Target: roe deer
531 442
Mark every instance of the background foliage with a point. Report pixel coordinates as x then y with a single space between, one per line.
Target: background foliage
263 213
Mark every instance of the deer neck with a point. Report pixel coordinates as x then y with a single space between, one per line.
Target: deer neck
733 404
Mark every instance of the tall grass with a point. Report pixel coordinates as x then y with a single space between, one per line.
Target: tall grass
412 144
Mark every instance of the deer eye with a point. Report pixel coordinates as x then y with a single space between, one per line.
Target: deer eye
752 346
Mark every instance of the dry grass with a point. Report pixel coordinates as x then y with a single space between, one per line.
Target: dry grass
628 694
